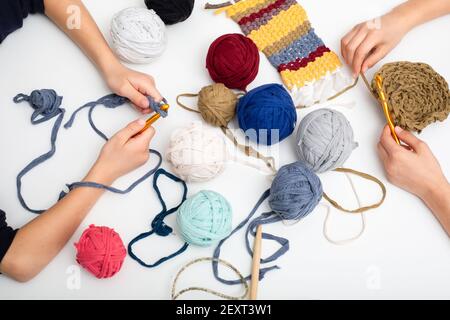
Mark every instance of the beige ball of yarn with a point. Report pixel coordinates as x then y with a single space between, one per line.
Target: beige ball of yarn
217 104
417 95
196 153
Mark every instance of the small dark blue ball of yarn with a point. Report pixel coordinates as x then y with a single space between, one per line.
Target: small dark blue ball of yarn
171 11
266 108
295 191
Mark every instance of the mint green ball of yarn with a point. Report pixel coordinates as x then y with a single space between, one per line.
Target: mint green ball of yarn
204 218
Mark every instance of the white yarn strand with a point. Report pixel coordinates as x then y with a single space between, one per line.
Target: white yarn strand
138 35
363 219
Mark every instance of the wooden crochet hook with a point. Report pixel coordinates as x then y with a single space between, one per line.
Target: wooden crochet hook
152 120
256 264
379 85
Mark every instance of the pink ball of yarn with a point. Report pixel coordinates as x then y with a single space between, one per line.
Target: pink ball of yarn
100 250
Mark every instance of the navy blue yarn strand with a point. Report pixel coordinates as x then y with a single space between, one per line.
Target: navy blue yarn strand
265 218
47 105
158 226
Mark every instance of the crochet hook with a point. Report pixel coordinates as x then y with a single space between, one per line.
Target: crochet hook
256 264
379 85
152 120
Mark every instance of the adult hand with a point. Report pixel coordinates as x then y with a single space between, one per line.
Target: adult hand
370 41
413 168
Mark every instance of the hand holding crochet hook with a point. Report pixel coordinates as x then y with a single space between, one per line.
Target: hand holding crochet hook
412 167
160 110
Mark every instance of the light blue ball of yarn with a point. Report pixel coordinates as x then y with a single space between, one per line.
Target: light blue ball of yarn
204 218
325 140
268 107
295 191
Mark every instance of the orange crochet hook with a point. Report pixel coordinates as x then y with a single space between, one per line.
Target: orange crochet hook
379 83
152 119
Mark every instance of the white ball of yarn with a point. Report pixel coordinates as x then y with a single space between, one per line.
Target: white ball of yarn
196 153
138 35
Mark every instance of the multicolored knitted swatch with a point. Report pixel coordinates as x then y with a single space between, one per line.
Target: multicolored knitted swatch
281 30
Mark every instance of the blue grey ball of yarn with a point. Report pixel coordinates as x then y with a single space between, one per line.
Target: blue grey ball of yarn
325 140
45 102
295 191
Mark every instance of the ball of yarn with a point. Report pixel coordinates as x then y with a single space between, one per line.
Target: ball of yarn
324 140
45 102
269 111
138 35
217 104
171 11
197 154
205 218
295 191
100 251
233 60
417 95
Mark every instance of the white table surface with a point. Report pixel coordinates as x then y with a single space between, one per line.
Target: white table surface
403 253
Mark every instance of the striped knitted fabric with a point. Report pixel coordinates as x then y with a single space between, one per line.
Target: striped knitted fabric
281 30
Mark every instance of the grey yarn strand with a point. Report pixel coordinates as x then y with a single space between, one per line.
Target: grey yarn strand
46 104
325 140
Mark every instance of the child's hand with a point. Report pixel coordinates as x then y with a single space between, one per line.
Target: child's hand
370 41
133 85
122 153
414 169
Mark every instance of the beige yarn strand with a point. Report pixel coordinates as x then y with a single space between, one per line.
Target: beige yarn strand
220 5
249 151
176 295
187 95
364 176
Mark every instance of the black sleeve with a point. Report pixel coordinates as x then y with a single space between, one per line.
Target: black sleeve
7 234
12 13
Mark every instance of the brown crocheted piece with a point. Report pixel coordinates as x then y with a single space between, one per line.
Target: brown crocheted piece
417 95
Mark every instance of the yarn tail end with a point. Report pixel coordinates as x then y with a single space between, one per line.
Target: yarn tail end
324 89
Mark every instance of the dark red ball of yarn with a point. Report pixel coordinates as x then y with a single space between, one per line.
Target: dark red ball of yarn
233 60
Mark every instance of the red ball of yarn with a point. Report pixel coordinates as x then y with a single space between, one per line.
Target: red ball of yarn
100 250
233 60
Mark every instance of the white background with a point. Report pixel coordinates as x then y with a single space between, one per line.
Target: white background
404 253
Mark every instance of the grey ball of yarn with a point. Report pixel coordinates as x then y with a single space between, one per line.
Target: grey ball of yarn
325 140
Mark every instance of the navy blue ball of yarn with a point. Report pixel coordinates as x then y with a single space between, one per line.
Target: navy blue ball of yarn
295 191
171 11
266 108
